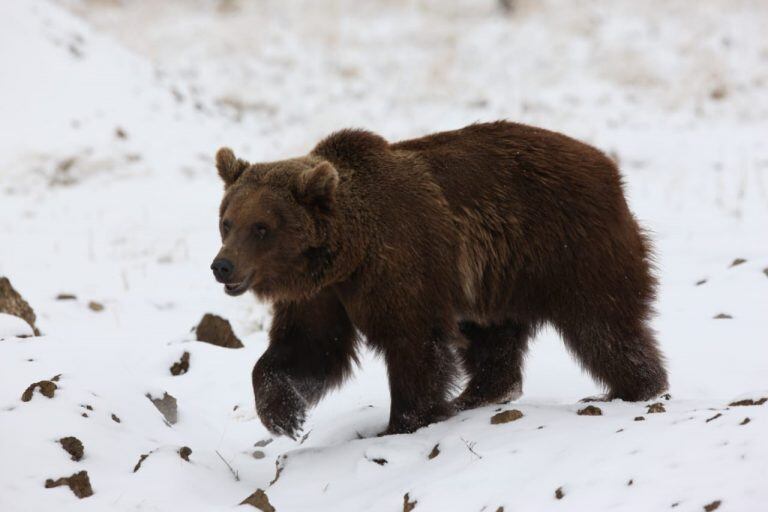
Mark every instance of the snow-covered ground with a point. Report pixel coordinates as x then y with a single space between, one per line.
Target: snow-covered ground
110 113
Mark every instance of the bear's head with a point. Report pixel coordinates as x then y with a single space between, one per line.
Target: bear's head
275 223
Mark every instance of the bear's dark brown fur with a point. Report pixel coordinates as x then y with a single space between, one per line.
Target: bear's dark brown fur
446 251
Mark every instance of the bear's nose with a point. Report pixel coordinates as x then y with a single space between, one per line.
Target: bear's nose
222 269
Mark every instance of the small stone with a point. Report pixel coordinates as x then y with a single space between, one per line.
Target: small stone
258 454
722 316
718 93
380 461
66 296
713 417
262 443
656 408
435 452
506 417
712 506
630 482
47 388
79 483
745 421
701 282
115 418
259 500
590 410
181 366
559 494
120 133
73 446
749 401
167 406
95 306
639 418
737 261
216 330
408 505
185 452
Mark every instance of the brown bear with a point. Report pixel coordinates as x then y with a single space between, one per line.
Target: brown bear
446 253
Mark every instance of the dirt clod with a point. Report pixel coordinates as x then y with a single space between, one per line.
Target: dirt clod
590 410
506 416
435 452
259 500
167 406
656 408
408 505
749 401
47 388
185 452
12 303
712 506
181 366
722 316
559 494
78 482
73 446
217 331
95 306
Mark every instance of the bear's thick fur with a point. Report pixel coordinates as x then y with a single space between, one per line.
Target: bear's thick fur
445 252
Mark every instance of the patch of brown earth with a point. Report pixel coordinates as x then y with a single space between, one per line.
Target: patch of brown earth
712 506
590 410
181 366
73 446
506 416
408 505
79 483
749 401
12 303
46 387
259 500
656 408
216 330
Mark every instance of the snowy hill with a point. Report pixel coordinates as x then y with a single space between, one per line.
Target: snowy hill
110 113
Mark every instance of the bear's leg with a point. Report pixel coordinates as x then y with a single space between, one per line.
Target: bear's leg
622 356
493 362
312 346
422 374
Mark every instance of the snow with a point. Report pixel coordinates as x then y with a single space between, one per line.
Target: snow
110 114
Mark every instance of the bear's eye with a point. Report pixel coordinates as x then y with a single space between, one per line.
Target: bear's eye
225 227
260 230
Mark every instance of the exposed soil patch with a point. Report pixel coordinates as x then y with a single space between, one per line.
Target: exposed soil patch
435 452
73 446
185 452
656 408
590 410
181 366
259 500
712 506
506 417
217 331
12 303
167 406
78 482
408 505
749 401
142 458
46 387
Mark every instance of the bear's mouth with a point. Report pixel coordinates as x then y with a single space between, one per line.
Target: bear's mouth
238 288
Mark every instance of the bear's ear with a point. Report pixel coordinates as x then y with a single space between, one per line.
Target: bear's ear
230 168
316 187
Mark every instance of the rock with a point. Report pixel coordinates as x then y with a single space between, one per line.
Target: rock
115 418
142 457
259 500
12 303
73 446
749 401
656 408
380 461
66 296
217 331
712 506
701 282
95 306
79 483
185 452
737 261
435 452
181 366
262 443
722 316
167 406
745 421
408 505
713 417
559 494
120 133
506 416
258 454
47 388
590 410
639 418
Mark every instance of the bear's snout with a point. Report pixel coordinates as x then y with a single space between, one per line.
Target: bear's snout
223 269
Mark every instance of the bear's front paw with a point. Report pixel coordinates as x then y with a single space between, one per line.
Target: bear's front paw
281 408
